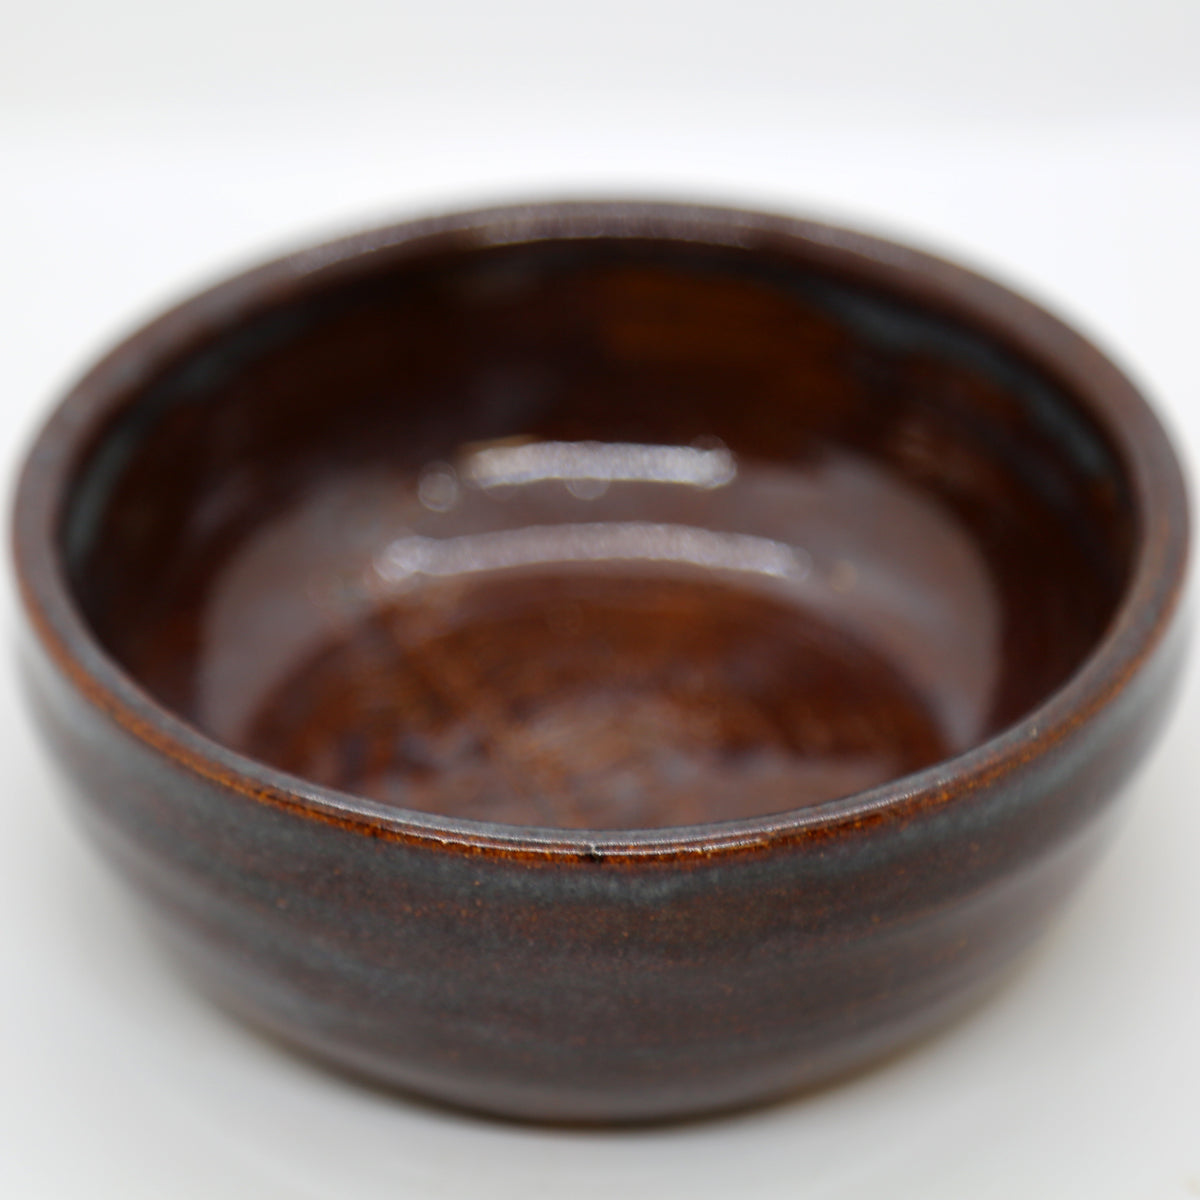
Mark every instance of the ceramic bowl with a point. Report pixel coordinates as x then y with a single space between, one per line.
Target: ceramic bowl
601 661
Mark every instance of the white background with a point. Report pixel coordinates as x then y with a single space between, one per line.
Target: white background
146 146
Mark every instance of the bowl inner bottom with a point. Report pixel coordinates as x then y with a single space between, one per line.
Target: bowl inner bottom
591 701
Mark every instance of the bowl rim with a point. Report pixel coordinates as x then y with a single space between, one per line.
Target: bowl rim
1053 349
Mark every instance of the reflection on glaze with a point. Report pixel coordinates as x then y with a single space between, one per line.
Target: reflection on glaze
616 542
508 465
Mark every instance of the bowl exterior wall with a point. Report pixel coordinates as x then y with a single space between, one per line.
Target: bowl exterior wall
600 985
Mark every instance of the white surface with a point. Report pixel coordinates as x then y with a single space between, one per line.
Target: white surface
146 147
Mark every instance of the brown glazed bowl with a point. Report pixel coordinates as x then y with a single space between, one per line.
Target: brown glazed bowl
601 661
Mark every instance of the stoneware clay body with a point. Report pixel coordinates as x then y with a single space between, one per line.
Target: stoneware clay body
601 661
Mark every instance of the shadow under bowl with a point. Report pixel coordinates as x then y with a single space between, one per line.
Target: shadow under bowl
601 661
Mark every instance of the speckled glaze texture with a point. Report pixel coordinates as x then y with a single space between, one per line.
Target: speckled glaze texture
699 949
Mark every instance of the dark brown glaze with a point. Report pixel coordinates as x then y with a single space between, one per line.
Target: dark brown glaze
602 662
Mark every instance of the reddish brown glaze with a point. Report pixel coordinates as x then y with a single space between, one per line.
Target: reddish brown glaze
601 662
597 703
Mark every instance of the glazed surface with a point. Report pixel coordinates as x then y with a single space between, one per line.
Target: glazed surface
601 515
637 538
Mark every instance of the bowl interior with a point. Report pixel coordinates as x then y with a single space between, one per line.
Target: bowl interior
612 533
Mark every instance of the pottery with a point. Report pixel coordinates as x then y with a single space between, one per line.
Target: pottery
601 661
